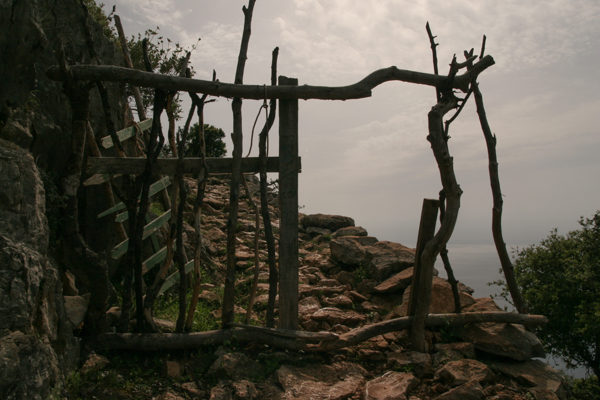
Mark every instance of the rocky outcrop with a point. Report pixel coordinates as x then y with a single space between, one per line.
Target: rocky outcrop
326 221
36 343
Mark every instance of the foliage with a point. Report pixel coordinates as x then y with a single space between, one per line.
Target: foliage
97 13
166 57
583 389
560 278
215 146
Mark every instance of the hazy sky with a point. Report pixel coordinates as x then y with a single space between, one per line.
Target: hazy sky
369 158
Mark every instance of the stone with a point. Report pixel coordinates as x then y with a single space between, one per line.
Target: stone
468 391
232 366
350 231
22 198
244 389
442 299
505 340
342 380
333 315
390 386
331 222
209 296
308 305
446 352
173 368
192 389
341 301
411 361
386 258
350 250
542 379
221 392
169 395
462 371
396 283
76 308
94 363
36 341
68 283
315 230
482 304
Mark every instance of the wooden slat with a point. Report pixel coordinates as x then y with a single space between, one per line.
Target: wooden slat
156 187
167 166
174 277
288 205
126 133
98 179
154 225
154 260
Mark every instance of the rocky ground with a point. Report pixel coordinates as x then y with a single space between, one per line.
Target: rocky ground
347 279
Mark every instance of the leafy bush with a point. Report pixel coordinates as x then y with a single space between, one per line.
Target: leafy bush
560 278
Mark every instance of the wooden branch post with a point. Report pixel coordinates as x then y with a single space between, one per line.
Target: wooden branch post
288 202
420 295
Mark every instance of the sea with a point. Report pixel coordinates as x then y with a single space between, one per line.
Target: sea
477 266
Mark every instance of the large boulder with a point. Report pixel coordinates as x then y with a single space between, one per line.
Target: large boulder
388 258
459 372
505 340
351 251
390 386
326 221
442 298
36 341
339 381
544 381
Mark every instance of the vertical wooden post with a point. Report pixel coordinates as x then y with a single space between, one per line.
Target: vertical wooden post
420 296
288 202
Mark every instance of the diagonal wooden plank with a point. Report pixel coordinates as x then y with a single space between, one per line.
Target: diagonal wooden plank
126 133
98 179
154 225
156 187
154 260
174 277
168 166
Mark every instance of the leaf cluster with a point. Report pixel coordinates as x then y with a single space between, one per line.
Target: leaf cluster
166 57
215 146
560 278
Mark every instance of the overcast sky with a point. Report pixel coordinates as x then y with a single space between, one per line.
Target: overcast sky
369 159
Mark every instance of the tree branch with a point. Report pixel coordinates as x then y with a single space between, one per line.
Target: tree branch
358 90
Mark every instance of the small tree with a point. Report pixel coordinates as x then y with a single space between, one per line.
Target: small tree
560 278
215 146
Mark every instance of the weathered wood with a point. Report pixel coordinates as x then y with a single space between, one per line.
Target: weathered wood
227 313
150 262
126 133
420 295
156 187
363 333
154 225
264 201
288 203
299 340
174 277
358 90
429 211
98 179
139 103
490 141
167 166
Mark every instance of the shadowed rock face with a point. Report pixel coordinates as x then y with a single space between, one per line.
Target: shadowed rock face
35 338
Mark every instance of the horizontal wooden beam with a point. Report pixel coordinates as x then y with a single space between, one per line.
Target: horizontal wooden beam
167 166
300 340
357 90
